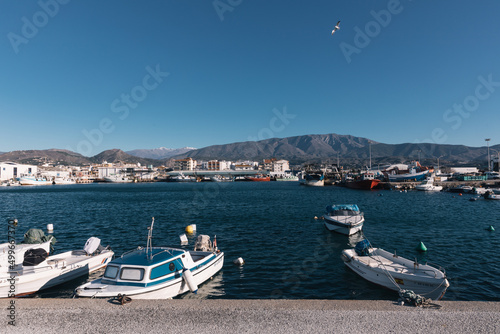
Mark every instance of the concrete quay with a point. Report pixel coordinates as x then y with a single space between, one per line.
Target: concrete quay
246 316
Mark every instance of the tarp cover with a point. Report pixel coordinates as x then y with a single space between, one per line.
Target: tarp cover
34 256
363 248
36 236
338 207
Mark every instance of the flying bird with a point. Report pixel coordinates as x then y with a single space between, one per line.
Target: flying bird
337 27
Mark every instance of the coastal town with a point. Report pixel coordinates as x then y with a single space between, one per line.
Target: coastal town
390 176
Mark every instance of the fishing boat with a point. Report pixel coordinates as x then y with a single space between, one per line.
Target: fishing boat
344 218
461 189
288 178
157 272
314 179
395 272
411 172
365 181
40 271
428 185
258 178
34 181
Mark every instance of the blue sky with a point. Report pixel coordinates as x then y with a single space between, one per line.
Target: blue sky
95 75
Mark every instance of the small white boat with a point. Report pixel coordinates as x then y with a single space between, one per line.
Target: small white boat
220 178
491 195
288 178
394 272
39 272
34 181
118 178
157 272
344 218
62 180
183 178
315 179
428 185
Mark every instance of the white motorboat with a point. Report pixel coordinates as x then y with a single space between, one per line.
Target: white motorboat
39 272
118 178
491 195
34 181
428 185
344 218
157 272
220 178
315 179
62 180
395 272
288 178
183 178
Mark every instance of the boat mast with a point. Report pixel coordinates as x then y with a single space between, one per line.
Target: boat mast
149 245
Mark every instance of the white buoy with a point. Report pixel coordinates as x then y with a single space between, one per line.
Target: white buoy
194 227
187 276
184 239
239 261
50 228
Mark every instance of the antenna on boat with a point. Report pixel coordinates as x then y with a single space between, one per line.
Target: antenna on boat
149 245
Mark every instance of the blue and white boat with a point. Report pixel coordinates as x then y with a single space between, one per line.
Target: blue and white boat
30 180
157 272
344 218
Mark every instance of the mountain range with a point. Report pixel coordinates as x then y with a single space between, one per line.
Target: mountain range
159 153
350 150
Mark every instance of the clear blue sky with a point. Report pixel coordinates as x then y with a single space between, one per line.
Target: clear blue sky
92 75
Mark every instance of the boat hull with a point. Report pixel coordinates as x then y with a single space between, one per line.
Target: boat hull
424 280
57 269
169 288
343 224
408 177
362 184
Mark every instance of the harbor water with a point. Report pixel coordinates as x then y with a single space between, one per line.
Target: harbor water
288 254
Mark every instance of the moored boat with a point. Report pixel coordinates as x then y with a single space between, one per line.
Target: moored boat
39 271
314 179
428 185
365 181
491 195
395 272
344 218
118 178
258 178
157 272
34 181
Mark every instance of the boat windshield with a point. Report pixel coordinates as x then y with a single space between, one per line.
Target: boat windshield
343 209
111 272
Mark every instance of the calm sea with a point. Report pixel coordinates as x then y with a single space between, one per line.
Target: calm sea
271 225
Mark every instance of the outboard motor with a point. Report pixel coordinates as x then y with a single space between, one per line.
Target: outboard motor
363 248
203 244
92 245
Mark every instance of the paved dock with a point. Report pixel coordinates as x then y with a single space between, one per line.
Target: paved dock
247 316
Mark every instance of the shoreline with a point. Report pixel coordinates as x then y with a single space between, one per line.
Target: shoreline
41 315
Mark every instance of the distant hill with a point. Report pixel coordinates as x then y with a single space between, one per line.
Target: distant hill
39 157
159 153
116 155
65 157
351 151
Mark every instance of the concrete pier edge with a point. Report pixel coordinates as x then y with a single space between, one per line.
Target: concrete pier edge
246 316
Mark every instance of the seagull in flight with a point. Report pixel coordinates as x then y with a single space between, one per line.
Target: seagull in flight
337 27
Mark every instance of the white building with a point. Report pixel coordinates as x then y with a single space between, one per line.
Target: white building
11 170
280 166
184 164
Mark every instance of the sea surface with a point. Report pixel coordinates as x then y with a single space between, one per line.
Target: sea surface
288 254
